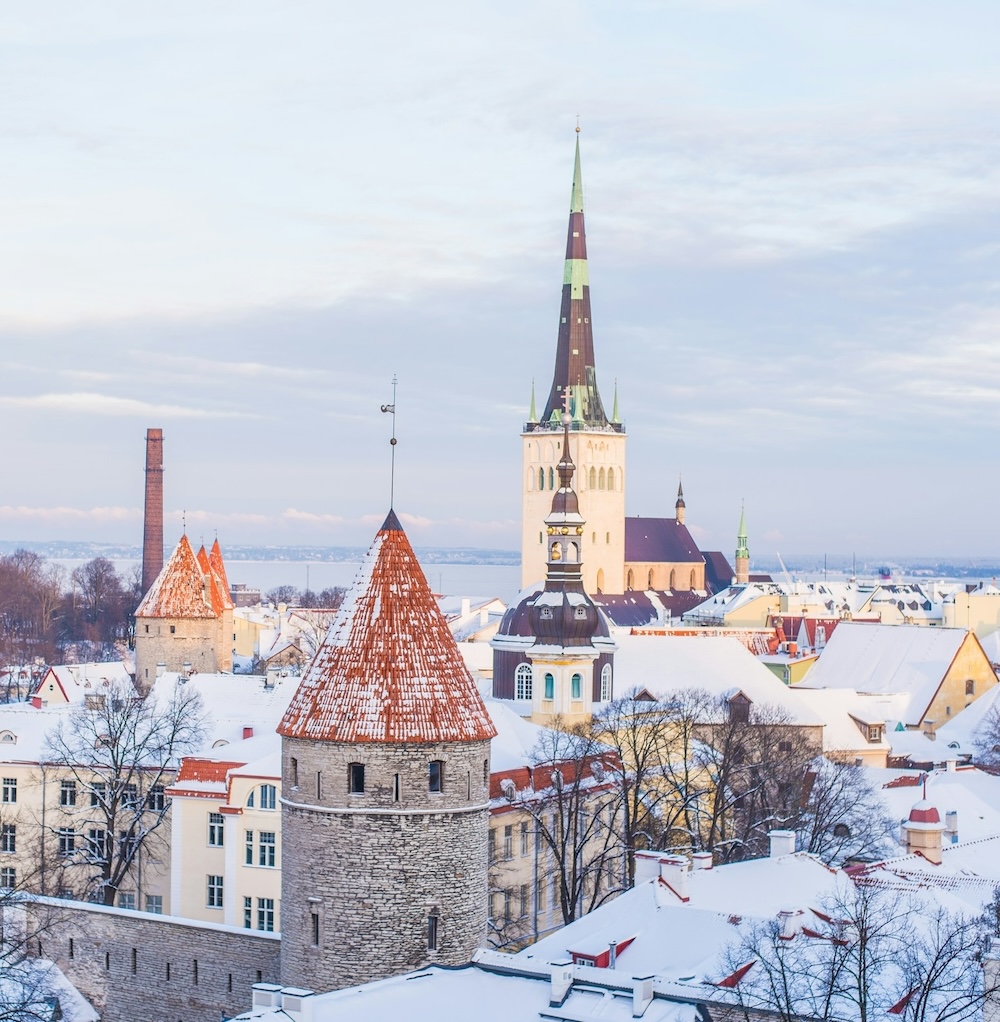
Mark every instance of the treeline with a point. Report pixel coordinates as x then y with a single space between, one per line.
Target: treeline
47 612
326 599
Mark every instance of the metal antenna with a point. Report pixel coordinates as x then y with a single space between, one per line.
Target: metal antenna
184 521
391 409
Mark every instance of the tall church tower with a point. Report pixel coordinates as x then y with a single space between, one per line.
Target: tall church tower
742 553
385 764
596 443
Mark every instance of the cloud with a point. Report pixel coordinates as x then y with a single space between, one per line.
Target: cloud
106 404
68 515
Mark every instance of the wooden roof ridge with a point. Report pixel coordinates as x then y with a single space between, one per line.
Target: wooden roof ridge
389 669
179 591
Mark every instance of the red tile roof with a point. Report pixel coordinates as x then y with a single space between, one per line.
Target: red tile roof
389 669
218 594
219 567
179 590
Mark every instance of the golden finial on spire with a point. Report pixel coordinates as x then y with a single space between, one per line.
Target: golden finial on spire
578 124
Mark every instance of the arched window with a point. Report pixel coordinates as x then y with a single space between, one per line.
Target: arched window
629 580
576 686
600 580
552 479
593 478
572 552
692 579
600 479
649 579
550 687
607 537
673 579
611 478
522 681
606 683
541 478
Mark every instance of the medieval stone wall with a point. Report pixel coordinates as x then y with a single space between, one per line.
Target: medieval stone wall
131 965
364 874
192 641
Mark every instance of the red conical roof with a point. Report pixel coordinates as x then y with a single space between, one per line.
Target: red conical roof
219 568
389 669
221 600
179 590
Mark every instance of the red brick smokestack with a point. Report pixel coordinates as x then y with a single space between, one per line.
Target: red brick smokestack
152 524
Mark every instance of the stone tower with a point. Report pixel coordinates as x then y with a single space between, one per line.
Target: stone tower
597 443
180 621
385 780
152 521
680 508
554 648
742 576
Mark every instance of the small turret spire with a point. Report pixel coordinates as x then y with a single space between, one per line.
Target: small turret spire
742 550
679 506
532 414
615 416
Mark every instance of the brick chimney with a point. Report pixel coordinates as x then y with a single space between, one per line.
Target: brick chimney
152 523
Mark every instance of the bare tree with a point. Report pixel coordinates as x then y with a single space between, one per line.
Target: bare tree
117 752
574 804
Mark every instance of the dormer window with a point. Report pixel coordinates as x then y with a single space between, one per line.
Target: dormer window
874 734
546 614
580 613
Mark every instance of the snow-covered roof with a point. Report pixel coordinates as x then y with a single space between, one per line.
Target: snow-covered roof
908 659
729 600
78 680
389 669
718 664
844 712
181 590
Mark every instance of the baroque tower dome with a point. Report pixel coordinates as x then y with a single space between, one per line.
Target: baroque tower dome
385 788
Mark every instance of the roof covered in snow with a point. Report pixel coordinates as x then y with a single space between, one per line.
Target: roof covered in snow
389 669
180 590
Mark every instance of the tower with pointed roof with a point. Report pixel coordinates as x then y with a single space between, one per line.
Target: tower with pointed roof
597 443
385 788
185 620
742 576
680 508
554 648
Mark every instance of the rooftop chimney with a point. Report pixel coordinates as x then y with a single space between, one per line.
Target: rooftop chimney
782 842
152 523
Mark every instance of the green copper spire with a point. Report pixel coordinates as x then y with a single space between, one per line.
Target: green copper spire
576 200
615 417
742 550
532 414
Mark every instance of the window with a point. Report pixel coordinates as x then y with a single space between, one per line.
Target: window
508 842
552 479
8 793
541 478
130 796
611 478
154 904
841 830
522 681
250 800
98 794
67 840
265 914
128 844
248 850
97 842
319 785
356 778
214 891
524 838
593 478
576 685
541 893
265 850
173 629
606 690
507 899
491 845
435 776
315 929
268 796
67 793
247 912
970 687
525 901
432 932
550 687
486 771
395 787
294 763
156 799
216 829
739 709
874 734
8 877
8 838
126 899
784 746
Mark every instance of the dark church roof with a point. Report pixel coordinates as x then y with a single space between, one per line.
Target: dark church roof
718 573
659 540
635 609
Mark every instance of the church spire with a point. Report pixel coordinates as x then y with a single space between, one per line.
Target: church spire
742 551
680 507
575 347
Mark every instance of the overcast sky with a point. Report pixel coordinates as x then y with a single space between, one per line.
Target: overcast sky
237 220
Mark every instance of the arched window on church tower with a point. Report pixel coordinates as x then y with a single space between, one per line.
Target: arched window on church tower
600 479
606 683
692 579
593 478
673 579
611 478
550 687
600 580
552 479
630 580
572 552
522 681
576 686
649 579
541 478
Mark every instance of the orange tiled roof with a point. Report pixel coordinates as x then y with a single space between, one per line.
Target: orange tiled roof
389 669
220 597
219 567
179 590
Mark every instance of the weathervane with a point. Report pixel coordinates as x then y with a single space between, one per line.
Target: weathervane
391 409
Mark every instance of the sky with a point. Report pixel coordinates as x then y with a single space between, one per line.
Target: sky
237 221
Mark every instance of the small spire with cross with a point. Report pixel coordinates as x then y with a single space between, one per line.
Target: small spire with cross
391 409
